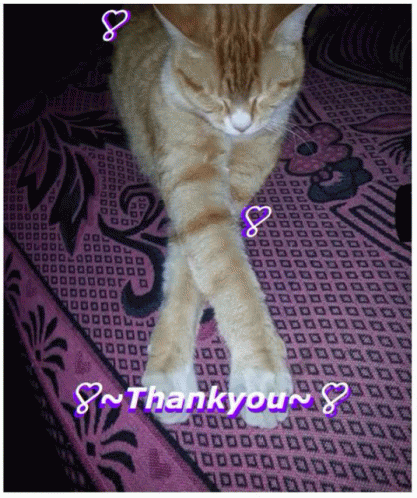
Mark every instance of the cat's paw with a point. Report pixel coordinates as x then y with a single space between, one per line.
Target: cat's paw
182 380
251 380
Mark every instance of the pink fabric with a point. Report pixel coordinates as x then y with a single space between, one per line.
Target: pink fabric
335 276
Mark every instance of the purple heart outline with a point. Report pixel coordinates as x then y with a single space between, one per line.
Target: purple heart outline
250 226
330 408
111 34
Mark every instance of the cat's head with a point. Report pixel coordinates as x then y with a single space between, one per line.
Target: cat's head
238 66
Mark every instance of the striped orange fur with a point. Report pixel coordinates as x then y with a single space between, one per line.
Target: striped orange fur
204 93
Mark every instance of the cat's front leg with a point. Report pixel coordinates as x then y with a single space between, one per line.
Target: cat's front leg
201 208
250 162
170 366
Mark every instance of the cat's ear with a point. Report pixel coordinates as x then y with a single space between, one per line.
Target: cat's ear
183 22
291 29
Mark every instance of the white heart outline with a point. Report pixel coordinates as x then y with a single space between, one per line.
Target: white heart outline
330 408
82 408
111 30
253 226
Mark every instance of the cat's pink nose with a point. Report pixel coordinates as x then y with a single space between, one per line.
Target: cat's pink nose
241 120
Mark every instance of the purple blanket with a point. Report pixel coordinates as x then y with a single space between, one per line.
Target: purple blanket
84 250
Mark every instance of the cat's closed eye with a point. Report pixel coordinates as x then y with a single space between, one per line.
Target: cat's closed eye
189 81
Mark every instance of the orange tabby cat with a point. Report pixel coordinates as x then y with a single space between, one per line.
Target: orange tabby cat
205 92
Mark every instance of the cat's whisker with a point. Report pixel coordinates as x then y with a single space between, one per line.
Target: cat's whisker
286 131
307 136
